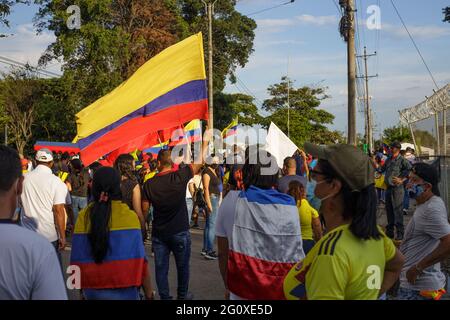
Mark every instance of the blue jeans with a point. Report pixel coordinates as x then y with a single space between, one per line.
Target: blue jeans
190 206
131 293
407 294
209 233
78 203
381 194
180 245
406 200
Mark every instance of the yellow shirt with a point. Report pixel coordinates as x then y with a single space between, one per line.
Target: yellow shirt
149 176
306 213
340 267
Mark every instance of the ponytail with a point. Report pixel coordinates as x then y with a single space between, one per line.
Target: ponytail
362 206
100 218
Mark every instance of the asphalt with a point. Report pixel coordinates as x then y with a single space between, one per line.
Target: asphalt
205 280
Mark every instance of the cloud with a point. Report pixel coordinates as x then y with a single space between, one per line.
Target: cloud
26 47
278 25
418 32
317 20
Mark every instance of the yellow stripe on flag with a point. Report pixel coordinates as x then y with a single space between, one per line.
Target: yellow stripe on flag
173 67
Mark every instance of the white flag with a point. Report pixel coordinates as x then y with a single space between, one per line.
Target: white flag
279 145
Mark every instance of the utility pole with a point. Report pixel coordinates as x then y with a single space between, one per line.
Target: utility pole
347 30
288 101
368 111
209 5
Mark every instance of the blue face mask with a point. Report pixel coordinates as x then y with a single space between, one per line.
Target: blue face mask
415 191
313 200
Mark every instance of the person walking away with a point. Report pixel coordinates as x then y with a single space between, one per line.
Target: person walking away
396 170
310 224
212 184
258 234
107 245
427 238
43 199
354 260
131 190
77 183
166 192
289 174
199 203
29 267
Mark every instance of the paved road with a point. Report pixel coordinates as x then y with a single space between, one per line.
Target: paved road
205 283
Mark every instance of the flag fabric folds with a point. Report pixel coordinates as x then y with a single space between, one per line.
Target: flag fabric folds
166 91
57 146
125 264
231 129
266 242
192 132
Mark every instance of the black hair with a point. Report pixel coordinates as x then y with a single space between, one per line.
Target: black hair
153 164
10 168
106 180
65 156
360 206
124 165
77 165
429 174
164 157
251 172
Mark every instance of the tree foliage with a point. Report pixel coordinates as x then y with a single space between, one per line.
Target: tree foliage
307 122
446 14
228 106
20 91
397 133
233 36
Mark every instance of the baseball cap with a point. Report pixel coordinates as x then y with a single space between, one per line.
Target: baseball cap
352 164
44 155
396 144
429 174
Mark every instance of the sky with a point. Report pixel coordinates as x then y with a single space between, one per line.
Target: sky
305 33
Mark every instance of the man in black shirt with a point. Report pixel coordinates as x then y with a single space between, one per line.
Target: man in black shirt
166 192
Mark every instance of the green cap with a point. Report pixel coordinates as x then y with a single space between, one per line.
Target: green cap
352 164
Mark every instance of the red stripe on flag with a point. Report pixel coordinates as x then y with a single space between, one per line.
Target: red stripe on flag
113 274
137 127
255 279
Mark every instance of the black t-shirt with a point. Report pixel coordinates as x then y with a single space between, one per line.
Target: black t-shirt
214 181
167 194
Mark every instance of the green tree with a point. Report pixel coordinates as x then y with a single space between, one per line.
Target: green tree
5 11
116 37
446 12
233 36
20 91
307 121
228 106
397 133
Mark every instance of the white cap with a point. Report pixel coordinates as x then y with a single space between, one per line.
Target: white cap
44 155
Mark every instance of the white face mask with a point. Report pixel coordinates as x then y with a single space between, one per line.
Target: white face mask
315 183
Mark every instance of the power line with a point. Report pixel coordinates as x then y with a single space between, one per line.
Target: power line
415 45
337 7
14 63
271 8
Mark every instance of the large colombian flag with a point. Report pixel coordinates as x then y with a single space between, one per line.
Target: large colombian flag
168 90
125 264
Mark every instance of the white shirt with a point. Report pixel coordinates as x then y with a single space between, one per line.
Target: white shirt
29 267
41 191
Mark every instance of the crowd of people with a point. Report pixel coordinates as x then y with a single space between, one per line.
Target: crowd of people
307 231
